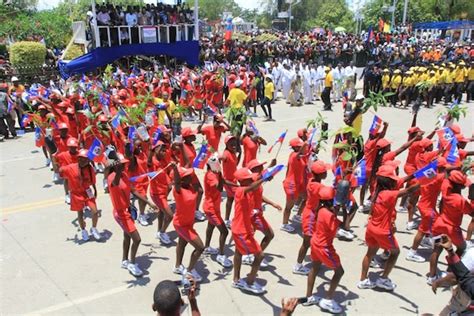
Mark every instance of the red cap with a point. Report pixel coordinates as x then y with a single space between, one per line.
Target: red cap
393 163
254 164
460 138
388 172
319 167
123 93
458 177
455 128
301 132
426 142
326 193
41 107
414 129
382 143
296 142
184 172
72 142
187 131
103 118
83 153
244 173
158 143
63 126
228 138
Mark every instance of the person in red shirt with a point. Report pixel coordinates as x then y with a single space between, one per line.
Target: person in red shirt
452 209
323 252
119 192
213 132
230 159
250 143
243 233
294 181
213 186
62 159
429 192
308 221
381 226
160 186
60 141
185 196
81 179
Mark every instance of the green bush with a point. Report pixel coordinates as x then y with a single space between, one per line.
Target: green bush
73 52
27 54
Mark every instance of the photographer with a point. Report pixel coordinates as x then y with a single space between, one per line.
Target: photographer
167 299
463 294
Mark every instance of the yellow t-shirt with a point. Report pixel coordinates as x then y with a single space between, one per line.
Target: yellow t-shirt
459 75
448 76
161 114
396 81
357 124
328 80
236 98
269 89
470 75
408 81
385 81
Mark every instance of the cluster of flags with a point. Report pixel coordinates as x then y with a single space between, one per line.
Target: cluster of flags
96 151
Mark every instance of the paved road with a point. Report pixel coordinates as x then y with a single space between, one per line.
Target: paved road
46 269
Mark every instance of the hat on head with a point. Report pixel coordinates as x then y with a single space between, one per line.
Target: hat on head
14 78
158 143
254 164
388 172
461 139
458 177
319 167
72 142
396 71
326 193
187 131
296 142
83 153
442 162
301 132
63 126
41 107
70 110
455 128
426 142
184 172
359 97
382 143
228 138
243 174
414 129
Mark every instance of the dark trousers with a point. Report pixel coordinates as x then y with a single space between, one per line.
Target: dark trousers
458 90
470 91
267 107
8 126
326 97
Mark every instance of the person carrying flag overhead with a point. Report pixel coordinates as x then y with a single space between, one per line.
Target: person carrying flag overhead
213 132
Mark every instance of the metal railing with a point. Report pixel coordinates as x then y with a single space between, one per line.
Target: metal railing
124 34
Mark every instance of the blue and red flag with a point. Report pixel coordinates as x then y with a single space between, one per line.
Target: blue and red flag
96 151
201 158
360 172
310 142
143 176
38 136
280 140
428 171
253 128
370 34
453 154
376 124
26 120
271 172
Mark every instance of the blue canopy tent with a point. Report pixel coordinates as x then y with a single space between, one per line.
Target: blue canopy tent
444 25
187 51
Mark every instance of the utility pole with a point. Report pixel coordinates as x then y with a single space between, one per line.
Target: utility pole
405 9
393 14
196 20
289 17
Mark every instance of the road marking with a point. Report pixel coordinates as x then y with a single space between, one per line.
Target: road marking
82 300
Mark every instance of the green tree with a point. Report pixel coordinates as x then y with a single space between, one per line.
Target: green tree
331 14
213 9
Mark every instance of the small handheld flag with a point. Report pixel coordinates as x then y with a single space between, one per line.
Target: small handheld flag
280 140
38 136
156 136
376 124
428 171
143 176
271 172
313 133
200 160
26 120
95 151
338 172
253 128
453 154
360 172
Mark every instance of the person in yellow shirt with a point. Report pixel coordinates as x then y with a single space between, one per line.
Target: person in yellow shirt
237 96
440 83
395 85
326 94
449 83
406 90
268 91
166 110
460 75
470 83
386 80
236 101
429 94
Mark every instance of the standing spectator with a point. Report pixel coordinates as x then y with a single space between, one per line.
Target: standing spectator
5 116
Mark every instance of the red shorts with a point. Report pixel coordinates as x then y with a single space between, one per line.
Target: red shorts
79 201
246 244
428 218
212 209
325 254
454 232
188 233
380 238
292 190
124 219
259 222
229 190
308 222
160 201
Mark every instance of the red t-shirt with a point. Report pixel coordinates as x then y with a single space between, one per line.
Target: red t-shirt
65 158
211 193
413 151
429 192
327 225
141 168
159 184
257 198
241 223
61 143
250 150
296 167
383 211
185 207
190 152
454 207
213 135
389 156
119 194
78 183
229 165
312 190
370 153
424 158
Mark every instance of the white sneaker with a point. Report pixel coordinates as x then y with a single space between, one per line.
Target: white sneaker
287 228
426 242
164 238
330 305
228 223
384 255
179 270
344 234
365 284
412 255
224 261
95 233
374 263
124 264
430 280
296 218
142 220
211 251
412 225
248 259
56 177
199 216
239 284
295 208
254 288
100 168
264 264
402 209
312 300
368 203
48 161
85 235
362 209
134 269
300 269
197 277
67 198
386 284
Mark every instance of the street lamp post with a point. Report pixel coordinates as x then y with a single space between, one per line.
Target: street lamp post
405 9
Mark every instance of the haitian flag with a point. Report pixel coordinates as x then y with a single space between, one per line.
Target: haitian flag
26 120
271 172
253 128
38 136
116 120
95 151
156 136
310 142
280 140
143 176
428 171
360 172
201 158
376 124
453 154
370 35
445 136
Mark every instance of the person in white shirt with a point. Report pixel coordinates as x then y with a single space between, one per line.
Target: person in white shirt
350 74
338 79
320 76
131 17
103 17
287 77
276 74
307 86
314 81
